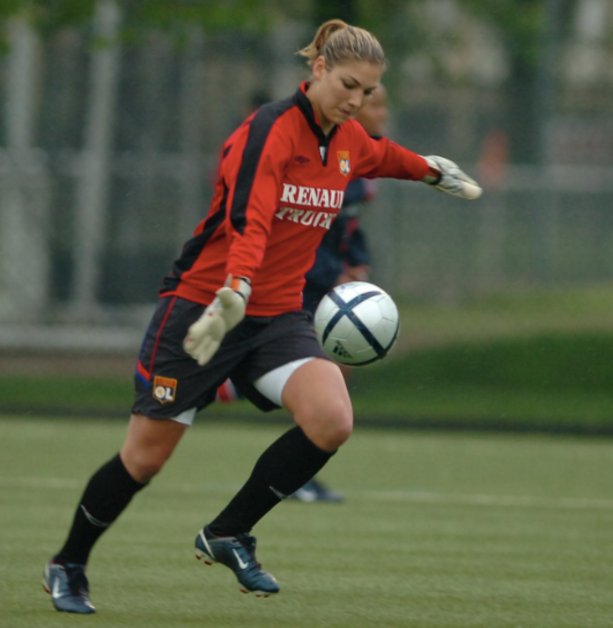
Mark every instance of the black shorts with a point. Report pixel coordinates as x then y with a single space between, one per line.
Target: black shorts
169 382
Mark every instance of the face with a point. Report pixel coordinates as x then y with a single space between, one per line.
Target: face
338 93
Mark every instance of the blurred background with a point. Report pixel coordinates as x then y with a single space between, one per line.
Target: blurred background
112 114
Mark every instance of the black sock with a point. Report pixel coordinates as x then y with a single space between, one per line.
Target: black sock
106 495
282 469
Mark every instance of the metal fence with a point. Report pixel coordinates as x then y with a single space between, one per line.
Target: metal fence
543 228
107 154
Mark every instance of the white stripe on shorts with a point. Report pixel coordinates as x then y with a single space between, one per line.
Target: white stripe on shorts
186 417
271 384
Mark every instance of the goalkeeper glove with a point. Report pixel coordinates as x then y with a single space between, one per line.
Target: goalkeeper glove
445 175
225 312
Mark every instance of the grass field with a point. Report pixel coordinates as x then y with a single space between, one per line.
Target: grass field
553 381
535 360
438 530
547 382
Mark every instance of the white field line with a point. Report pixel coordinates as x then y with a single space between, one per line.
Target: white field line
418 497
477 499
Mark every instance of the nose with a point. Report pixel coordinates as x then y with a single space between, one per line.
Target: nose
356 99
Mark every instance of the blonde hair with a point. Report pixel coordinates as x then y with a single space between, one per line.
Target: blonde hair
338 42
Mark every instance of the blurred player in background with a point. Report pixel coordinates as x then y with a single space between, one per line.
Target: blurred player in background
343 253
231 307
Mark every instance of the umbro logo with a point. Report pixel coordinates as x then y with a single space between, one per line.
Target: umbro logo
301 159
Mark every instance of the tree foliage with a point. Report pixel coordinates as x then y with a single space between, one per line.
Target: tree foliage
531 32
404 27
139 16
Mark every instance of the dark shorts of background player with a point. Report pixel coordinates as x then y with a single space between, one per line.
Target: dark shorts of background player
313 295
169 382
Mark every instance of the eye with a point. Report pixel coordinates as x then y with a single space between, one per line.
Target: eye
369 91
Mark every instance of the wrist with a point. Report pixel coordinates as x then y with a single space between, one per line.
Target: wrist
240 285
434 174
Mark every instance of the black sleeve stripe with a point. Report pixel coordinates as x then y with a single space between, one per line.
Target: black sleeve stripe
259 129
193 247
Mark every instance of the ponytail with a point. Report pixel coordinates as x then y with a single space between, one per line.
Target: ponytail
339 42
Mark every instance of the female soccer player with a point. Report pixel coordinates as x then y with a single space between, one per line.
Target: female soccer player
231 307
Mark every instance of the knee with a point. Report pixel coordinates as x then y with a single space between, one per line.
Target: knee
148 445
341 425
143 465
328 427
317 397
338 436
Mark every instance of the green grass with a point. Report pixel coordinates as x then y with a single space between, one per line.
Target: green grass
529 360
438 530
464 530
554 381
548 381
508 315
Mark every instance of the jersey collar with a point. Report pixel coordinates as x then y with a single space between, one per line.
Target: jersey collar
307 109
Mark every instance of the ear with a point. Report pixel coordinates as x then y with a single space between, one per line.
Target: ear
318 69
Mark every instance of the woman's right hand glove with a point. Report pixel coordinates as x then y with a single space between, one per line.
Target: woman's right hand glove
225 312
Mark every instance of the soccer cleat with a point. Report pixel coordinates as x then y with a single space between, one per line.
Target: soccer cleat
237 553
315 491
68 587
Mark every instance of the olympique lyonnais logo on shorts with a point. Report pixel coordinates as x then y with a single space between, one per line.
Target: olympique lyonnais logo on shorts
164 389
343 161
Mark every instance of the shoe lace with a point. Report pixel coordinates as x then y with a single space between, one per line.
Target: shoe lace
77 580
248 543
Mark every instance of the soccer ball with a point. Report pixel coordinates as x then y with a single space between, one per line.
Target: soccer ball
357 323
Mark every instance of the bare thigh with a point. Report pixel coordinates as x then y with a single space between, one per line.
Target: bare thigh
317 397
148 445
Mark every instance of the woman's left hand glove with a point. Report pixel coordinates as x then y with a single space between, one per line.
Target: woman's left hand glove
225 312
445 175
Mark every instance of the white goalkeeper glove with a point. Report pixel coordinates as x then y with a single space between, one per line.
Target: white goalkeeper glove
225 312
445 175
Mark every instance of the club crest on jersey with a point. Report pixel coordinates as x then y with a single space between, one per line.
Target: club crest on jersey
343 161
164 389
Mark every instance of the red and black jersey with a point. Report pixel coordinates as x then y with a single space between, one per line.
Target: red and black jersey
279 186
